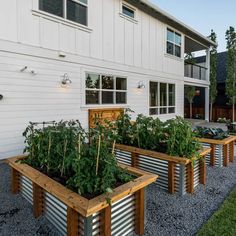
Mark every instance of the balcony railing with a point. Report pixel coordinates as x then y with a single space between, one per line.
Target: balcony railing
195 71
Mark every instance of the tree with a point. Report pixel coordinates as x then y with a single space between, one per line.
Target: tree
189 58
190 94
213 72
231 68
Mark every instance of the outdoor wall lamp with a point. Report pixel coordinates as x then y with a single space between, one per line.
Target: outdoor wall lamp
141 85
66 80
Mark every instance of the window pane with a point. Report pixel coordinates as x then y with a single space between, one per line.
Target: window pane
84 1
170 35
127 11
170 48
177 51
93 81
54 7
107 97
121 97
171 110
171 95
92 97
163 111
178 39
121 84
107 82
76 12
153 111
163 95
153 94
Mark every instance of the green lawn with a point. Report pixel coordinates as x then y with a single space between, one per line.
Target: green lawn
223 222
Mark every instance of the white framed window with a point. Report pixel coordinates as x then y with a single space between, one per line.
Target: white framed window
161 98
128 11
105 89
72 10
173 43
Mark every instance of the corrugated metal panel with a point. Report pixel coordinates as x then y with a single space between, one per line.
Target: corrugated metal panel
56 212
196 173
218 155
123 216
156 166
26 189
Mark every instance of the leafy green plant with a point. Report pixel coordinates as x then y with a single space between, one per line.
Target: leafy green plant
61 151
210 133
180 138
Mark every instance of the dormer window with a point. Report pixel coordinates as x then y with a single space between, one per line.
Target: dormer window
128 11
73 10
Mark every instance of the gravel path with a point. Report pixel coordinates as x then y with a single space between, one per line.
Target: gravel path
174 215
166 214
16 217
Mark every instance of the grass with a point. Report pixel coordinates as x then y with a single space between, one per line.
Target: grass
223 222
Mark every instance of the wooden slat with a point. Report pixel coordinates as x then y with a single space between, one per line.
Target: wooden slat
106 214
226 154
109 114
78 203
140 211
190 178
213 153
171 177
38 200
202 169
134 159
158 155
72 222
15 181
231 157
218 142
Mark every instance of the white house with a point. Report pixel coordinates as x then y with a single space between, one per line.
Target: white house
115 54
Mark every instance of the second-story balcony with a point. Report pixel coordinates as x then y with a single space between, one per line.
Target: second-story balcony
195 71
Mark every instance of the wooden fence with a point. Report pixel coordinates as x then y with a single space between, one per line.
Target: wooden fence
218 112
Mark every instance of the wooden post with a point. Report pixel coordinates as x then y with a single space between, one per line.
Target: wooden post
231 156
107 221
72 222
226 154
171 177
15 181
190 178
38 200
213 158
202 170
140 205
134 159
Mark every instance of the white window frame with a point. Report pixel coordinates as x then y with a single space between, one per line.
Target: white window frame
37 12
158 107
166 40
127 5
100 90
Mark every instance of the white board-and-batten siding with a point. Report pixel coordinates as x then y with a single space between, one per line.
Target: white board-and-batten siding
114 45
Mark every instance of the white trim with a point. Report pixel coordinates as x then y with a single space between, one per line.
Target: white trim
128 18
61 20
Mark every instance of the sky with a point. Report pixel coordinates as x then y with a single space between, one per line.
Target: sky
203 15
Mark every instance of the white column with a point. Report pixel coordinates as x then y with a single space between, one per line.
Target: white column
207 100
208 56
207 104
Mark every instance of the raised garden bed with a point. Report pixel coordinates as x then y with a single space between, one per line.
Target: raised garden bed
73 214
176 174
222 151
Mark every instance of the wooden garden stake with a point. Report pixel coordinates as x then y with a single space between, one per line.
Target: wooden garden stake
79 145
99 146
113 148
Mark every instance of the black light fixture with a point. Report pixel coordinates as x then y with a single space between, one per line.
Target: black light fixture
1 96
